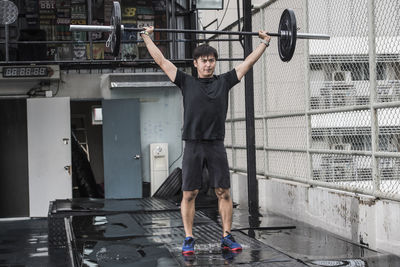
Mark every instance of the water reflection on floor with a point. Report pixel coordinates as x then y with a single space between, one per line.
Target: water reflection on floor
149 233
154 238
24 243
314 247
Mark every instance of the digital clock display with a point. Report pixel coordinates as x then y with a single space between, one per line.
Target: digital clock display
34 71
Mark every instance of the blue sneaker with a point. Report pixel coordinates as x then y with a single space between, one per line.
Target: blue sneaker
188 246
228 242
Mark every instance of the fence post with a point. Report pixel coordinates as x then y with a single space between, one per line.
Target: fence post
264 79
372 88
249 103
232 110
307 95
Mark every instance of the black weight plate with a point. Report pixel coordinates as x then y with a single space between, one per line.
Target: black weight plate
115 21
288 30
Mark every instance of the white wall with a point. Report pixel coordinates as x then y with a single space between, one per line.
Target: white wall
161 114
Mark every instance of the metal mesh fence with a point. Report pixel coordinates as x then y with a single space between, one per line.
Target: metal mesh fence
343 169
389 172
342 130
287 163
331 116
287 132
388 46
388 129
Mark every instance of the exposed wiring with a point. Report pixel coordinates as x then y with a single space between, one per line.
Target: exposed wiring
58 87
219 24
178 156
238 20
34 90
223 16
199 20
238 14
38 89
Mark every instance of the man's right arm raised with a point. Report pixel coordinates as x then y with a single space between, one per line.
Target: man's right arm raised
166 65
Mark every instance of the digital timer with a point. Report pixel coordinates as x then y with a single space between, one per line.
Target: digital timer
29 71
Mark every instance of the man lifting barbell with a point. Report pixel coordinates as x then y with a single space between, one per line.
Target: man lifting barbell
205 102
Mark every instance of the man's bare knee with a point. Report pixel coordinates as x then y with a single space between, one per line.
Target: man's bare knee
222 193
189 195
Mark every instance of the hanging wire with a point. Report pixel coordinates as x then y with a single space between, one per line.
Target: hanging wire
223 17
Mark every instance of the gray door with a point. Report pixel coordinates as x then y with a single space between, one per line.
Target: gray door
121 144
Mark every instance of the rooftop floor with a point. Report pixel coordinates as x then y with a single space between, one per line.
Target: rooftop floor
149 232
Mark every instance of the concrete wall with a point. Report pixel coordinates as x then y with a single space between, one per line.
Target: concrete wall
361 219
160 122
161 109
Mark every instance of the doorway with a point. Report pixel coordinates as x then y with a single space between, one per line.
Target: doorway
87 149
106 148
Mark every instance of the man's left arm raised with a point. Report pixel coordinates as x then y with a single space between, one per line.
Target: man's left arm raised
245 66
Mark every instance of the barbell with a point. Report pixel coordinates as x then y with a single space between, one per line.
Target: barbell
287 32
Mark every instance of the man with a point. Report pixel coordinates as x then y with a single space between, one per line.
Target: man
205 101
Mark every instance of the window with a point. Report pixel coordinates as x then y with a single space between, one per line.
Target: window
396 68
381 71
359 71
209 4
315 66
97 115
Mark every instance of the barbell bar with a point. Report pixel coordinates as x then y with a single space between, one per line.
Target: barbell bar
287 32
101 28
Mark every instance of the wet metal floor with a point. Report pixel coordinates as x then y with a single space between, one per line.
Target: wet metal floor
25 243
149 232
159 235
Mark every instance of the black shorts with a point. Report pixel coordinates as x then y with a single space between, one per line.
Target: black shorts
200 154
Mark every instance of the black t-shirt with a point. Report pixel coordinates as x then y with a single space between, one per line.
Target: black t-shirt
205 103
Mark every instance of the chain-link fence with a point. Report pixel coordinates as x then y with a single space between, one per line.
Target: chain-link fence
331 116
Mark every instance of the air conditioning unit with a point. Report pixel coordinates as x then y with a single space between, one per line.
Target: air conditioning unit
341 76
